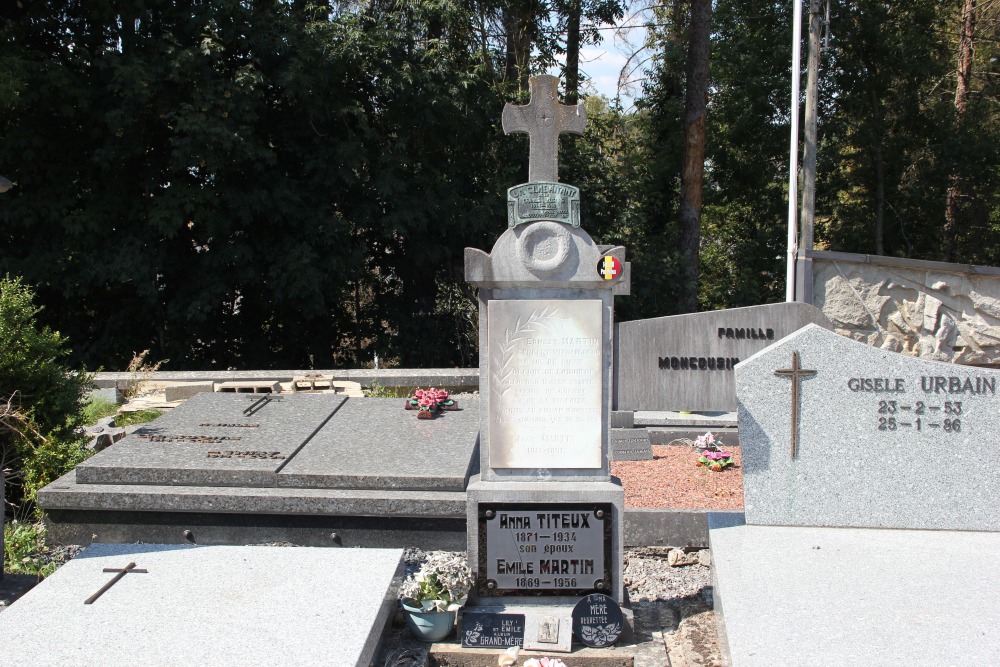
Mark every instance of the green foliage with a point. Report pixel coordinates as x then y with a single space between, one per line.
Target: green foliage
137 417
42 398
378 390
97 408
292 185
24 550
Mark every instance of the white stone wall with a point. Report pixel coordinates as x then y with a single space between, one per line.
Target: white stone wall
932 310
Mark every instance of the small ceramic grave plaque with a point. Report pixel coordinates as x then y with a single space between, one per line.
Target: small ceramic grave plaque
546 383
549 632
597 620
489 630
630 444
544 548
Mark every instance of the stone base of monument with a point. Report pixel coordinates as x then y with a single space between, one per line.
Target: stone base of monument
154 604
587 546
854 596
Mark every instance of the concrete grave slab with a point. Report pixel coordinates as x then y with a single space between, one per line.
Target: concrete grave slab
214 439
864 437
250 387
184 391
685 362
855 597
373 443
207 606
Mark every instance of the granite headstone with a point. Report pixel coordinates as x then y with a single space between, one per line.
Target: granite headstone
837 433
685 362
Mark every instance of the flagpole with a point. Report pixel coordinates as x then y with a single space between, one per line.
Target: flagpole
793 162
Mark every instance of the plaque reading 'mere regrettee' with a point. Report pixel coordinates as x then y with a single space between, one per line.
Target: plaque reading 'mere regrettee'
544 548
546 380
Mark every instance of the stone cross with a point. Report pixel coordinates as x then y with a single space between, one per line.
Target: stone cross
543 120
795 374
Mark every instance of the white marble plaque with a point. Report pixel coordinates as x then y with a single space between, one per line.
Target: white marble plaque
545 383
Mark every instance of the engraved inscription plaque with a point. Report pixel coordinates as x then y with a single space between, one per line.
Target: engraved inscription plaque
545 383
491 630
544 548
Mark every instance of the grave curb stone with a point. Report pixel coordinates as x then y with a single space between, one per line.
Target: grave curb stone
182 392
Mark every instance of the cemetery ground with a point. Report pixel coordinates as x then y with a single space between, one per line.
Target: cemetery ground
675 624
670 593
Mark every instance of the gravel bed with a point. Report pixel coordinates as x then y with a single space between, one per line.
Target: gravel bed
672 480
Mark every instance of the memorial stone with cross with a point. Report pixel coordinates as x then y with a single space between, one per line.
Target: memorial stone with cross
544 516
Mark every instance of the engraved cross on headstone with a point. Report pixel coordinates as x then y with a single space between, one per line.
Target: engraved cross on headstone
122 571
543 120
795 373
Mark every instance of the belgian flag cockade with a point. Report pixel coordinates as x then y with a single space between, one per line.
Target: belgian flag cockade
609 267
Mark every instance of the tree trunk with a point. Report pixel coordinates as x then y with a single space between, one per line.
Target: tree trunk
966 43
878 161
573 52
807 215
693 157
519 28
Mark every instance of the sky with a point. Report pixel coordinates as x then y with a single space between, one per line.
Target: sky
603 63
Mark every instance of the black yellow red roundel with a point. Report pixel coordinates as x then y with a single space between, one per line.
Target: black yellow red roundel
609 268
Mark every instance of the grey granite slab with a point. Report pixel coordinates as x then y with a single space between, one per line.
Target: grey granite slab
215 605
374 443
387 377
855 597
685 362
883 440
214 440
67 494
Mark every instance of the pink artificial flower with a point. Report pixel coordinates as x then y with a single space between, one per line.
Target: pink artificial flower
707 440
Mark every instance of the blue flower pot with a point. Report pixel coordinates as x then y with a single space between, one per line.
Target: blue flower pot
429 626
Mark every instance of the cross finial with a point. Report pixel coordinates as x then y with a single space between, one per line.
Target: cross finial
543 120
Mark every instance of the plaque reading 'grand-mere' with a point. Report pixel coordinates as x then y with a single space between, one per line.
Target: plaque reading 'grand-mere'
546 381
544 548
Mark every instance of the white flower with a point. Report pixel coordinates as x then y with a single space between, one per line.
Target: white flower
509 657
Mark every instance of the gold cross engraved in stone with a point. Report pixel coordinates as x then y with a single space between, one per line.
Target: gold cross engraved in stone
796 374
122 571
543 120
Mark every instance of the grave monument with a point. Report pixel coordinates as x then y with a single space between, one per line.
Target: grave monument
544 515
872 494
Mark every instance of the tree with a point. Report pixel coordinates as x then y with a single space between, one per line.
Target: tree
693 160
41 396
